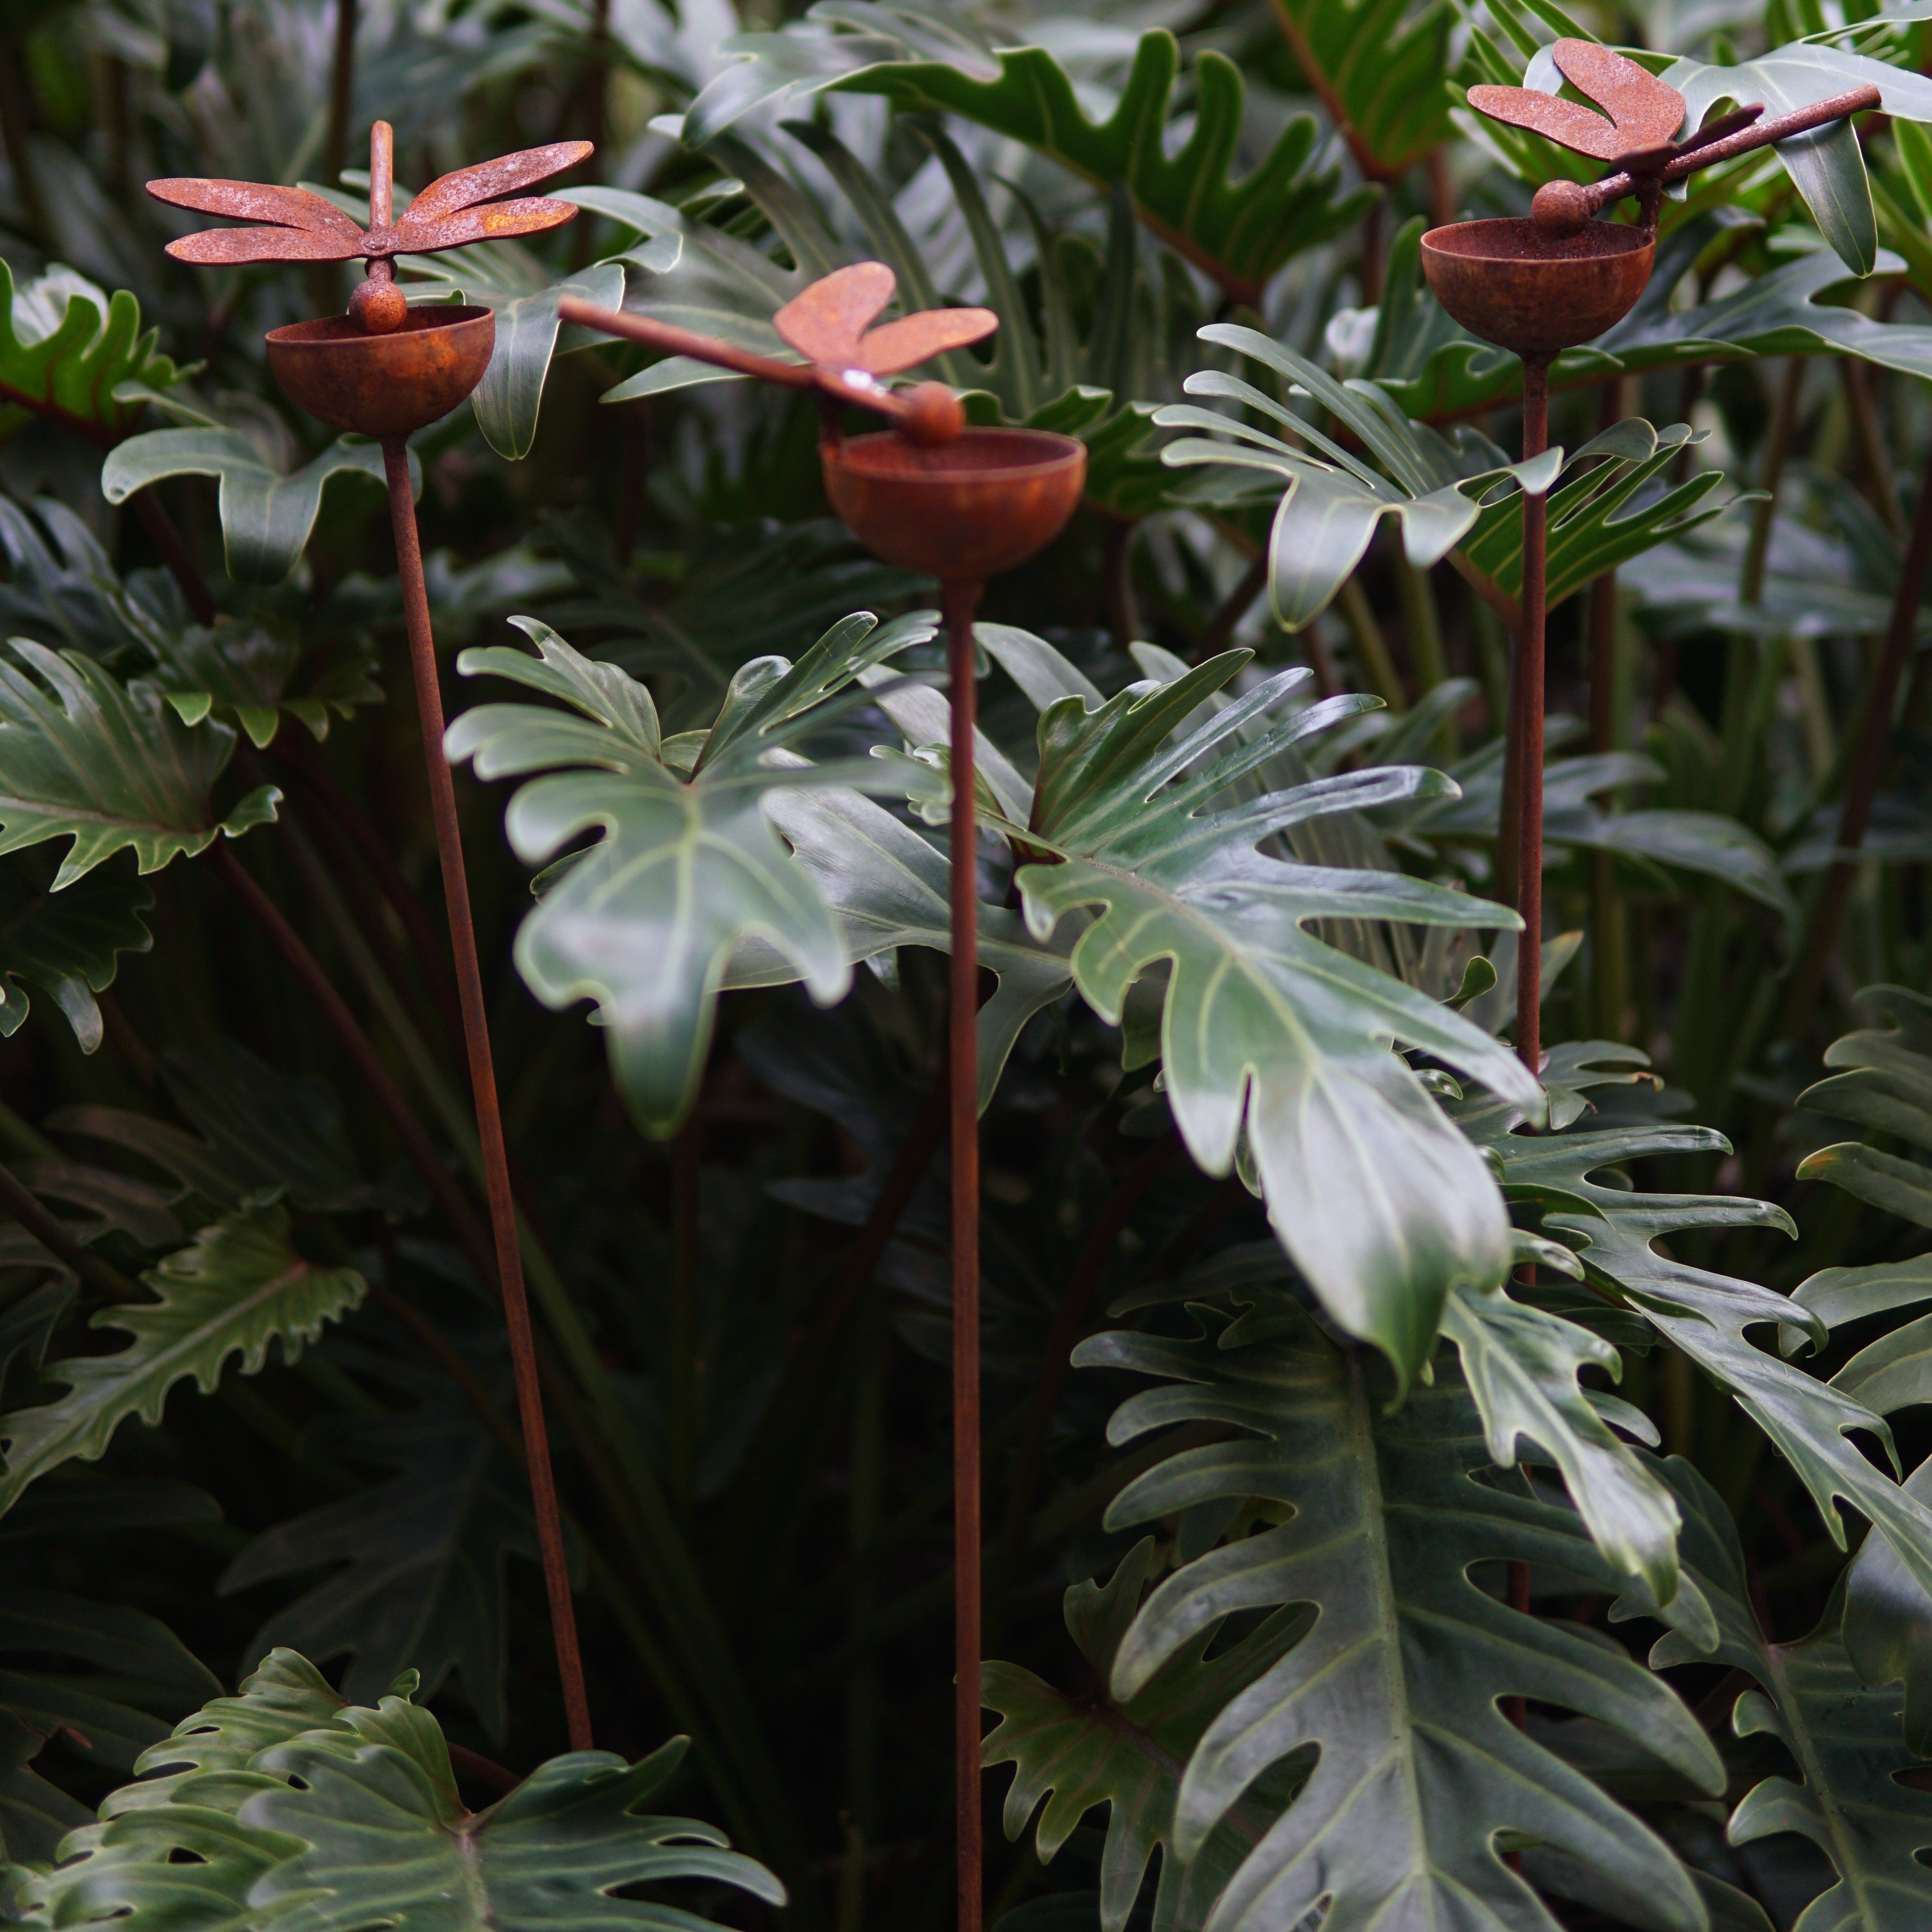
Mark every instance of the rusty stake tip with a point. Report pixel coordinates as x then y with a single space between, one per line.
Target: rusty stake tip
380 307
1561 208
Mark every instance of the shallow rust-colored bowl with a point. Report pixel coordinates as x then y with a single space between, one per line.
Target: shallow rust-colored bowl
1513 285
383 385
959 511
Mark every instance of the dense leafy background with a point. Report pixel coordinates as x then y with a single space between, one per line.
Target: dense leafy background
1300 1342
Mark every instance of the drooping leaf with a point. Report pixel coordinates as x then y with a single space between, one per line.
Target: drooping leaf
65 347
1332 501
509 399
1847 1798
1826 166
266 517
1264 1027
1237 232
239 1285
1127 1756
384 1837
1398 1685
107 765
67 943
241 670
646 922
1705 1314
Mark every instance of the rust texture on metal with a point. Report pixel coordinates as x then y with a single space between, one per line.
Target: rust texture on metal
1641 134
1644 114
294 224
962 504
383 385
384 371
1513 284
1559 207
828 324
969 510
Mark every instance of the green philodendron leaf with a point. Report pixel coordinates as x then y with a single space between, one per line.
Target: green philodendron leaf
1384 1206
1706 843
1380 70
240 1285
66 346
1884 1083
1420 1781
1844 1736
286 1806
385 1838
67 943
1238 232
1602 512
645 923
415 1566
266 517
1522 1365
1706 1315
107 765
239 669
509 399
1827 165
1332 500
1128 1755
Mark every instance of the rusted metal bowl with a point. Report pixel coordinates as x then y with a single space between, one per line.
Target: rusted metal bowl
383 385
959 511
1515 285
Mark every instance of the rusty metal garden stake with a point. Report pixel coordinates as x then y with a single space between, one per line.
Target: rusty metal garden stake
961 504
1528 722
383 370
1542 284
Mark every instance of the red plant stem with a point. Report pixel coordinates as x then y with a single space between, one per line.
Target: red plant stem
483 1085
1529 723
962 1021
174 553
1807 977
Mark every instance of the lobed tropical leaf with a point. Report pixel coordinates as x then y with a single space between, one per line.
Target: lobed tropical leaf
1265 1029
239 1285
1420 1781
66 347
1129 1755
266 517
646 922
69 944
85 758
1238 232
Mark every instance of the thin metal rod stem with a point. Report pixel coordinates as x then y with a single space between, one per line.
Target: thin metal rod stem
1529 724
483 1083
672 340
962 1024
1807 977
1613 188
